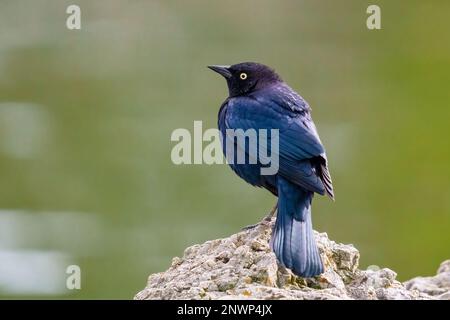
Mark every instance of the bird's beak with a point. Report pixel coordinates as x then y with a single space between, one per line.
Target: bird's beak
222 70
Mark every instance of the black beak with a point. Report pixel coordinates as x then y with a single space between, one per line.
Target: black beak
222 70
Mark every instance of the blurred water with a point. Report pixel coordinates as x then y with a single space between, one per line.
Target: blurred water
33 272
86 118
24 129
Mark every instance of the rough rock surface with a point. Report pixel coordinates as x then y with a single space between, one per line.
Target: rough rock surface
243 266
437 286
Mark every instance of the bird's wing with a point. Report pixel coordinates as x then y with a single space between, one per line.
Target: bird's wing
302 158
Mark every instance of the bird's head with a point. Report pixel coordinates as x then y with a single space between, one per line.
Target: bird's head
246 77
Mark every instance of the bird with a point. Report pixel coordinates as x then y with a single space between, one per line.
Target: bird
259 99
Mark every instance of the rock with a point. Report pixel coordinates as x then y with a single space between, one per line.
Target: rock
437 286
243 266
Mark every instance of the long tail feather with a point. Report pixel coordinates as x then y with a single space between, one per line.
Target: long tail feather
293 237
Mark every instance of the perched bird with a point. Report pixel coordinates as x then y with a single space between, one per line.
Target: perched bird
259 99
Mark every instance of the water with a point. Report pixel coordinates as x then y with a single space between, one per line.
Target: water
86 118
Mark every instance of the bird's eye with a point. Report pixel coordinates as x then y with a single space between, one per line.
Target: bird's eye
243 76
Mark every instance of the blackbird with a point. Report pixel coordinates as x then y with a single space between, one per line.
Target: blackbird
259 99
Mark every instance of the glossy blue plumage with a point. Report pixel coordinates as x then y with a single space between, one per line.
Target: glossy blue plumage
303 169
277 107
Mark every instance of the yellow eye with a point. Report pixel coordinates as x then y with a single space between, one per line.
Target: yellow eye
243 76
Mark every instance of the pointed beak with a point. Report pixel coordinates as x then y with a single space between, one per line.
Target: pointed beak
222 70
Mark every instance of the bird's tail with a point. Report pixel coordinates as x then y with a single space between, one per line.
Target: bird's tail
293 237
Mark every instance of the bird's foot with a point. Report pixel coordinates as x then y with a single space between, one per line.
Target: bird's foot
264 222
250 227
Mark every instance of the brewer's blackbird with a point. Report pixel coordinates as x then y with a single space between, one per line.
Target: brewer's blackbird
259 99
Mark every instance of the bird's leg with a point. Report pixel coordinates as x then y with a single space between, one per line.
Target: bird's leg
265 220
269 217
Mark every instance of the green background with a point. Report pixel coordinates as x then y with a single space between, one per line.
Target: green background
86 118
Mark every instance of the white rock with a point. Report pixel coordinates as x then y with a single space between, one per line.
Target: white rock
243 266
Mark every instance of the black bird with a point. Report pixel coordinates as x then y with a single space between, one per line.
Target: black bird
259 99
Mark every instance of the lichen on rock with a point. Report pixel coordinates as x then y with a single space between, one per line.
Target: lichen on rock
243 266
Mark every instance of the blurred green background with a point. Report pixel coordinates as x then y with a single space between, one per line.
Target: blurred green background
86 118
